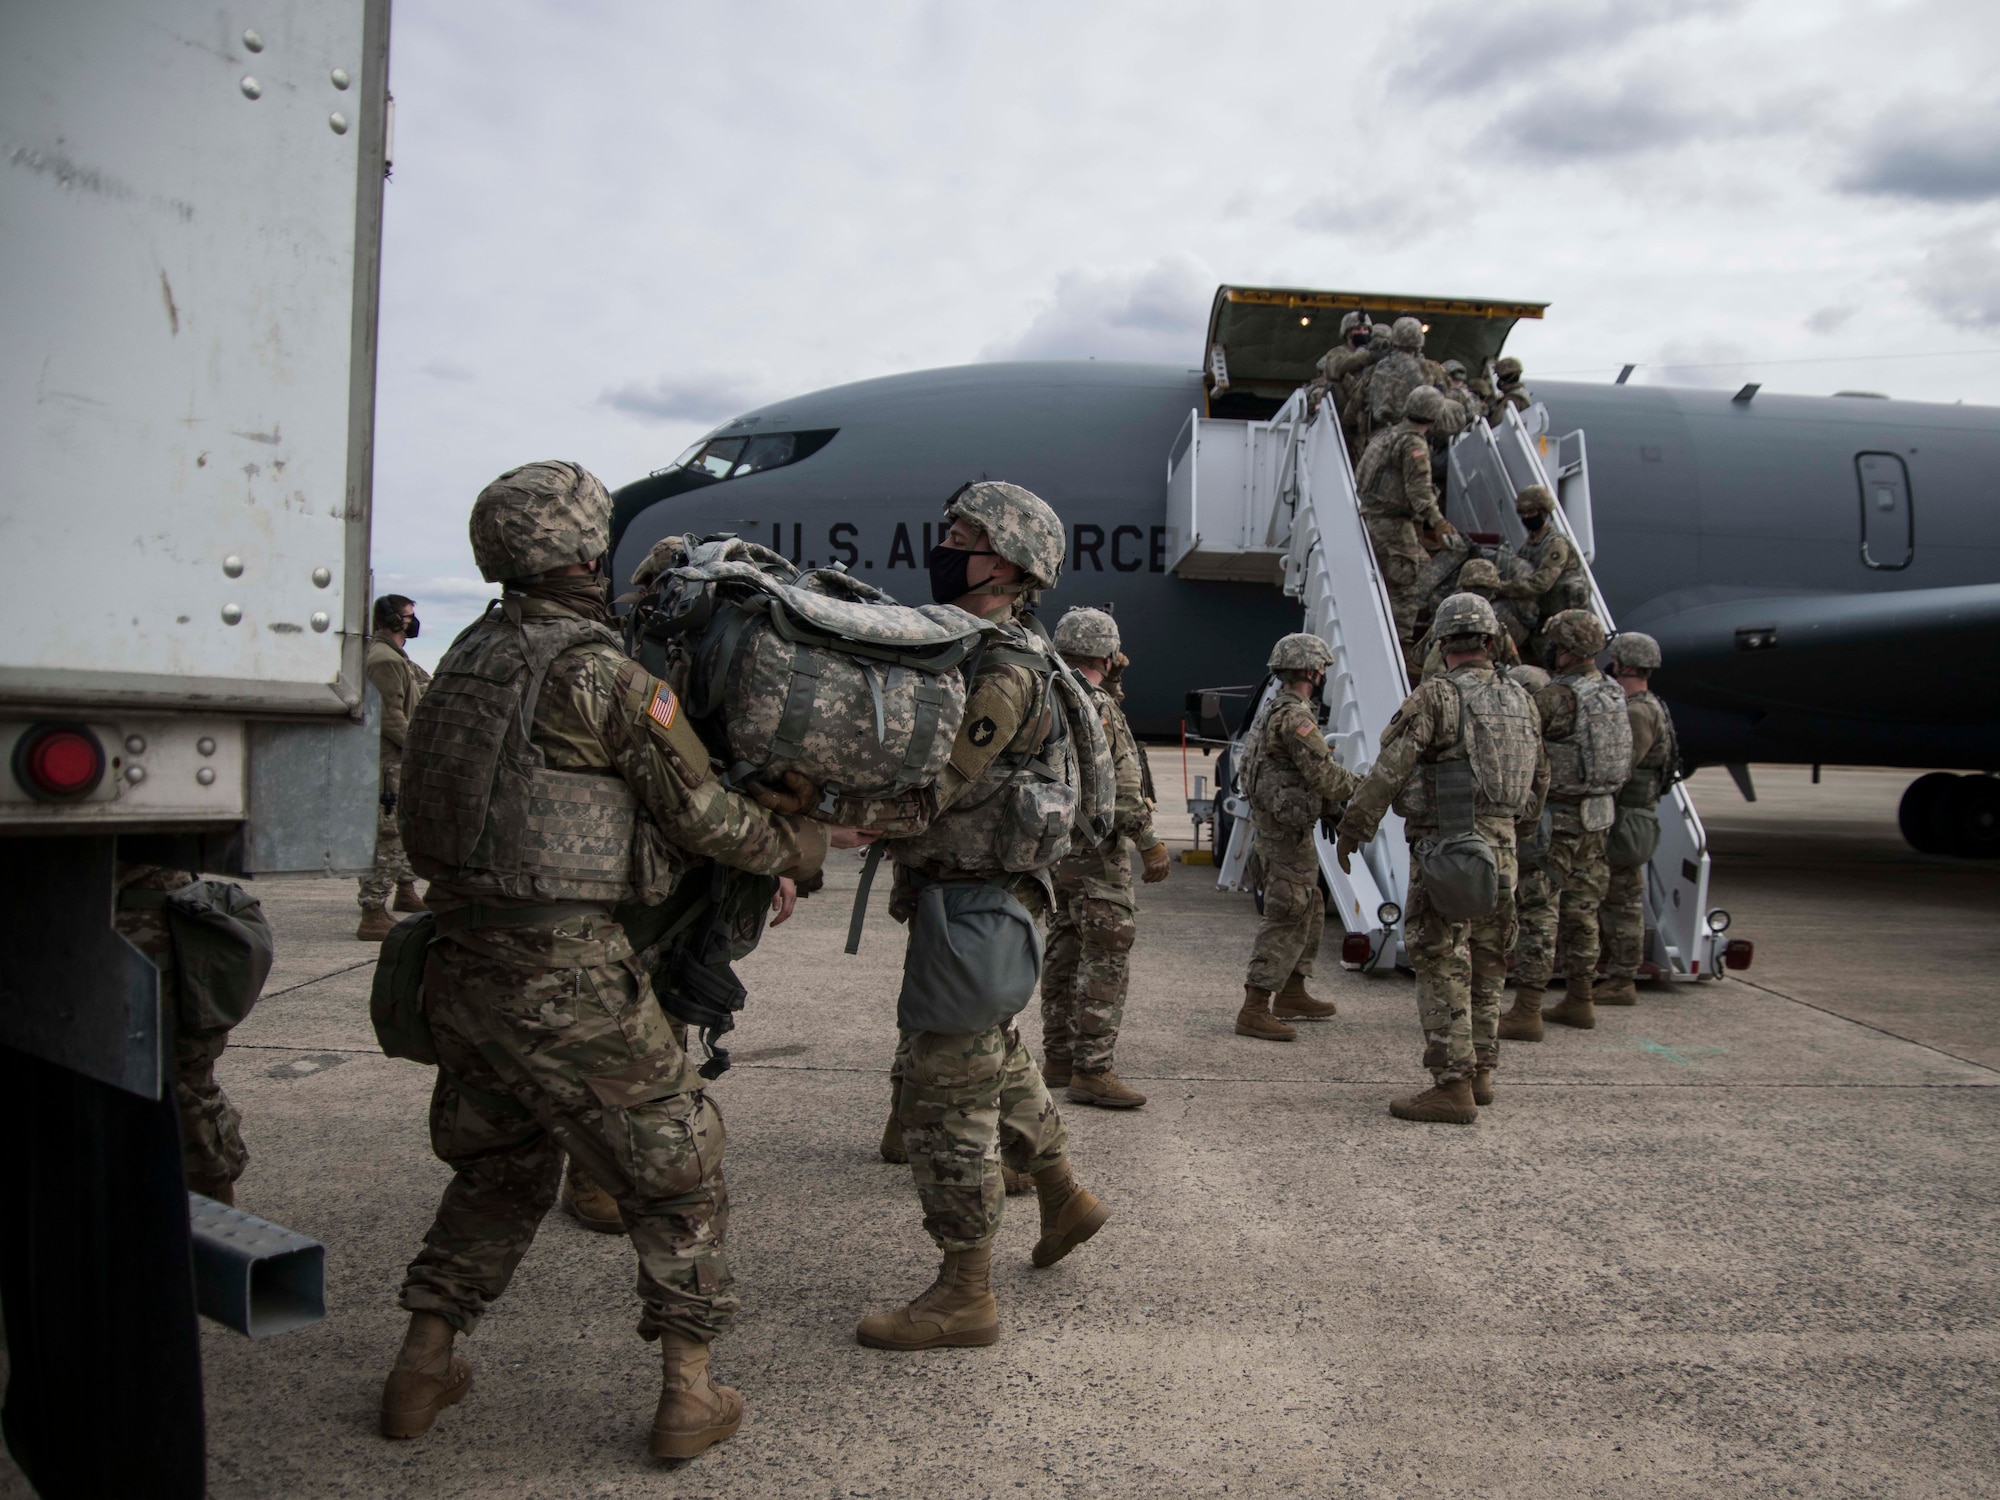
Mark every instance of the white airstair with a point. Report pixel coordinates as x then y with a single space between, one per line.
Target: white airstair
1276 502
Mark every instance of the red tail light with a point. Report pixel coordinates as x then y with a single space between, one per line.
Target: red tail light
1356 949
58 762
1737 953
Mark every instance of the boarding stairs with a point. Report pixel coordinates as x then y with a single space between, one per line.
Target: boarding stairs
1276 502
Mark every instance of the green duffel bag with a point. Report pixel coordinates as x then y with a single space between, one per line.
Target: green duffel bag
396 1002
974 959
1634 837
1460 873
222 949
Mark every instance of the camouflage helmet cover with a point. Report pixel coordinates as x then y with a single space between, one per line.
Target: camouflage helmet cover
1300 653
1535 500
1635 649
1454 367
539 517
1576 631
1353 320
1018 523
1407 333
1087 633
1378 335
1508 368
1424 404
1463 615
1479 577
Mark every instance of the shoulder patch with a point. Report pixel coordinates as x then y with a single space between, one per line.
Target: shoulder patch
981 730
1304 730
665 707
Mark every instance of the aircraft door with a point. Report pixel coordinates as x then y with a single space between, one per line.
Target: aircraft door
1888 526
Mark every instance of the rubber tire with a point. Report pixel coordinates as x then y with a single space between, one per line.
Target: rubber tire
1917 815
1970 811
1224 824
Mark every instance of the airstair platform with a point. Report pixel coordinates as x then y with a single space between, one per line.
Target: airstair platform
1275 501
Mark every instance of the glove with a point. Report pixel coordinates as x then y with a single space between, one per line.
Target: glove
797 796
1344 848
387 799
1156 864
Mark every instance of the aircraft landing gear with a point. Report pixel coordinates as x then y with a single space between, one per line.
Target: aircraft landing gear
1946 814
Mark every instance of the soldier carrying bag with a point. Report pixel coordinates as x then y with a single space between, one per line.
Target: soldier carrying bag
689 959
222 949
974 959
1460 871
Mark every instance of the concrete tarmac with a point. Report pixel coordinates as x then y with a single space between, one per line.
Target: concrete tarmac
1737 1240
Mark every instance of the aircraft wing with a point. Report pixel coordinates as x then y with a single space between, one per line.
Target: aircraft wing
1921 655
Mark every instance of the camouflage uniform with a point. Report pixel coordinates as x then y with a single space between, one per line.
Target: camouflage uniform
1345 368
1088 962
1397 497
1655 766
548 1035
212 1149
1581 724
1397 373
1510 392
1555 580
1461 966
401 683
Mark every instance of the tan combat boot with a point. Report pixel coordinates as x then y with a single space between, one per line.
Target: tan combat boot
1056 1071
376 924
1071 1214
1292 1003
894 1151
1016 1183
1523 1023
694 1412
1440 1104
1482 1085
1576 1009
1255 1019
1624 990
426 1378
957 1311
407 899
586 1201
1103 1087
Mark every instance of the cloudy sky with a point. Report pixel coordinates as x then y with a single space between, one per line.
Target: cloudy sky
612 225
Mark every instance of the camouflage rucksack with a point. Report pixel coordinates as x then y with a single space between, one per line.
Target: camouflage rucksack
813 672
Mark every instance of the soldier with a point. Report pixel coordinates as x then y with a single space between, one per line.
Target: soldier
1397 374
1589 740
1507 373
972 880
539 764
1555 580
1656 762
1344 368
1088 963
1478 576
1397 497
401 683
1292 781
1461 756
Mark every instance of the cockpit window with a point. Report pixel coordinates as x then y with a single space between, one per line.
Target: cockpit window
734 457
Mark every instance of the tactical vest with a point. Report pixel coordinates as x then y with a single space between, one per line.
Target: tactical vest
1649 780
480 809
1596 759
1394 376
1270 779
1496 742
1380 480
1569 591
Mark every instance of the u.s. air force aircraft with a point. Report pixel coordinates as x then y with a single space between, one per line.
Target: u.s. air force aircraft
1822 573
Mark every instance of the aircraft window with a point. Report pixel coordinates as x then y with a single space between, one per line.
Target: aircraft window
718 459
734 457
766 453
1888 526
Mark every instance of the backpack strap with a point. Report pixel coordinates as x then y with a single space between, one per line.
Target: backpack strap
860 913
923 734
1456 799
789 741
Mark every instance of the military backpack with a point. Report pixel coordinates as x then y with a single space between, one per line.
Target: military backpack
1594 763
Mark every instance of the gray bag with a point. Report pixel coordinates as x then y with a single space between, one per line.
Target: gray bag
1634 838
1458 865
974 959
222 950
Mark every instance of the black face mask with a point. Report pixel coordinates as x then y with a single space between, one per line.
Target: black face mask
948 568
1549 659
410 628
1534 523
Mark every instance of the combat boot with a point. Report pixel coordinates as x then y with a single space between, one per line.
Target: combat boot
407 899
1016 1183
1440 1104
956 1311
894 1152
1576 1009
694 1412
1624 990
426 1378
1255 1019
1482 1085
1523 1023
1292 1003
1071 1214
585 1201
1056 1071
376 924
1103 1087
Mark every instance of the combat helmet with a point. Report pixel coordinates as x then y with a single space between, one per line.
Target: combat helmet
1455 367
1300 653
1576 631
1464 615
1535 500
537 518
1407 333
1378 335
1019 524
1479 577
1424 404
1351 321
1635 649
1087 633
1508 368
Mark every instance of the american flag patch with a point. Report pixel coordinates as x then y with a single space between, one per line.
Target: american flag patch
664 707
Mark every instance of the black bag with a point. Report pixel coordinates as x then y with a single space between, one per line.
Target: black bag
687 944
222 950
396 1002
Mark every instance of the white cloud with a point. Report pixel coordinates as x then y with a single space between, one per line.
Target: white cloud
1931 153
1960 279
1713 363
698 396
1830 319
1157 313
